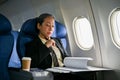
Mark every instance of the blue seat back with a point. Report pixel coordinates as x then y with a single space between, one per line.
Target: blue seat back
28 32
6 46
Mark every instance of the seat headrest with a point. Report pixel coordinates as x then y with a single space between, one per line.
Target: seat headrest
5 25
60 30
29 27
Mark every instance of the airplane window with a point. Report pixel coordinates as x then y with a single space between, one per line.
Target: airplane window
83 33
115 26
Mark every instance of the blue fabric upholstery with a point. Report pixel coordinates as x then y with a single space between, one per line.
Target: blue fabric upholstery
6 46
28 32
5 26
60 32
14 61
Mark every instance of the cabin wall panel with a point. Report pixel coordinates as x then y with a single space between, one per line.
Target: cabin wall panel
72 9
110 53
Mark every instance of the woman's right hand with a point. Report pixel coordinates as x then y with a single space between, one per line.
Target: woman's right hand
50 43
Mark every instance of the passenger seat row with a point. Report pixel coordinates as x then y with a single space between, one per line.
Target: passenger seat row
12 43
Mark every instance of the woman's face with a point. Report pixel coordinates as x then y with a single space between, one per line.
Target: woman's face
47 27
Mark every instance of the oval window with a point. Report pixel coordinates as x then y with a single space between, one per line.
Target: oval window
115 26
83 33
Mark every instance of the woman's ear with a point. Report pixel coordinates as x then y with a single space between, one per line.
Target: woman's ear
38 25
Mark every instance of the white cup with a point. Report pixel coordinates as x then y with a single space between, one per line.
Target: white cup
26 62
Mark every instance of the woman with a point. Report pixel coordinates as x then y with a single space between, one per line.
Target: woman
44 50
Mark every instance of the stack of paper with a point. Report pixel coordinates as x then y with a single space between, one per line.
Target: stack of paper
76 62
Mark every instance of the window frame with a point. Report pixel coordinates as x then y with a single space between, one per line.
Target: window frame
75 34
113 31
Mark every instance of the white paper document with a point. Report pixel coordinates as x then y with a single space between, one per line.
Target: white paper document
76 62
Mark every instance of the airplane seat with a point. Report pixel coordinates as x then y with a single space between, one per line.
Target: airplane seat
21 38
26 34
6 46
